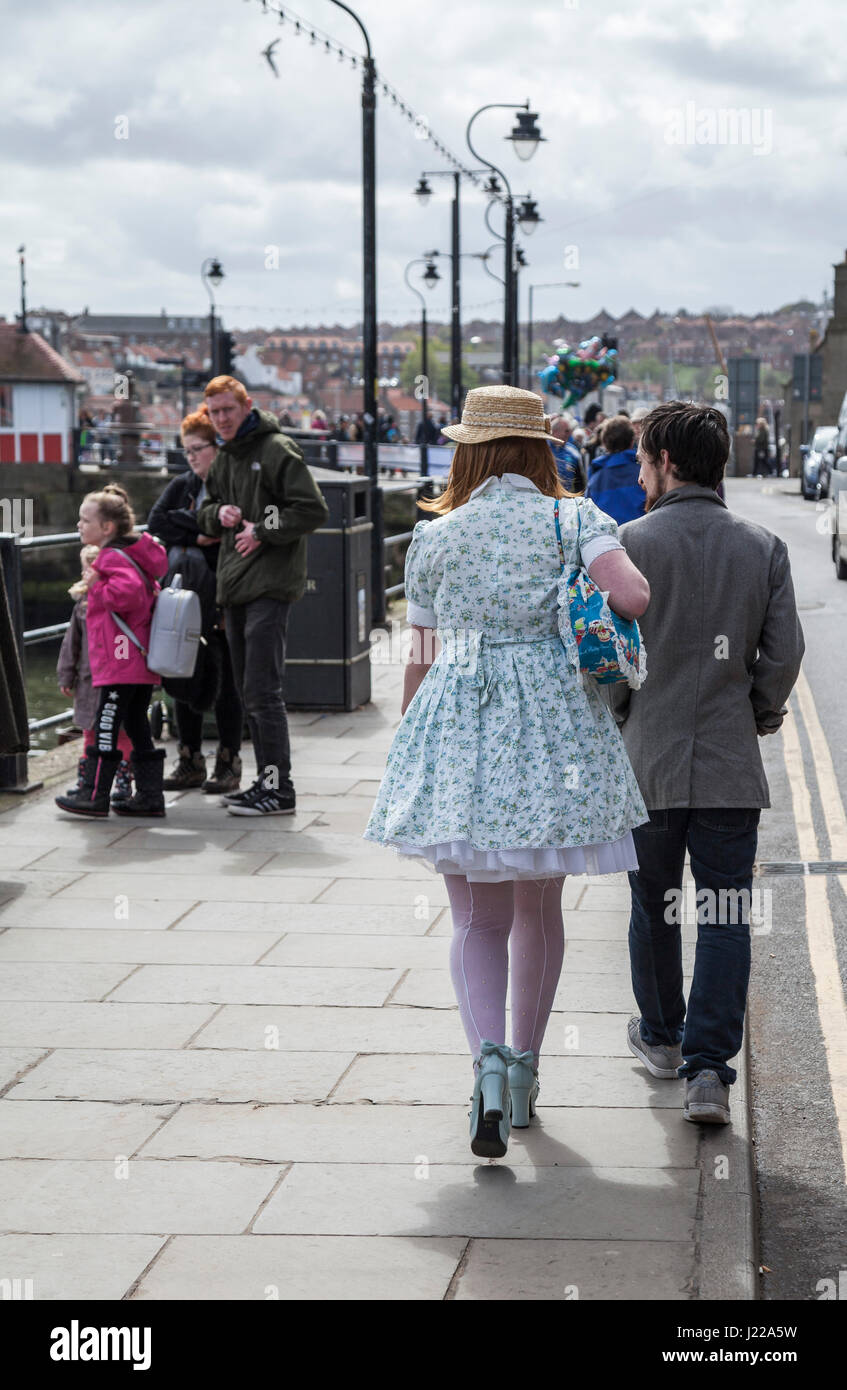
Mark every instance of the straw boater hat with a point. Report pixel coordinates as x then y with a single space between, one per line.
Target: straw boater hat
496 412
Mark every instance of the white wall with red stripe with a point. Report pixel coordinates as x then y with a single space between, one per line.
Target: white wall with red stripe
36 422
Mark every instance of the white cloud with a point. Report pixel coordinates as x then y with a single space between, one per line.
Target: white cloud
224 158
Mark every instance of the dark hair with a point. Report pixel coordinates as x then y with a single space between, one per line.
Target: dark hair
591 413
696 439
617 434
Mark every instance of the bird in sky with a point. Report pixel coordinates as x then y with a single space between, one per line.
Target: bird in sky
269 54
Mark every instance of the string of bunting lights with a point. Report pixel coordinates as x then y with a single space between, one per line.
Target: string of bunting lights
330 46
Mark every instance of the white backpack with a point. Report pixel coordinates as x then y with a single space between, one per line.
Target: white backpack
175 632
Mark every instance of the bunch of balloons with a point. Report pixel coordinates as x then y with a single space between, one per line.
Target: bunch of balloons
572 372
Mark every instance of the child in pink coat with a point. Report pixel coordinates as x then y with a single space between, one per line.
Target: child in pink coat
127 569
74 675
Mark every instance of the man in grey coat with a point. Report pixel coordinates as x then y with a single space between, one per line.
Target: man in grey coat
724 646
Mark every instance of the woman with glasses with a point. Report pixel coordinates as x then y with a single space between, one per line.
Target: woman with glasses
174 520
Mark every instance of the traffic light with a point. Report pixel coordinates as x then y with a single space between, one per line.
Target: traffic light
226 348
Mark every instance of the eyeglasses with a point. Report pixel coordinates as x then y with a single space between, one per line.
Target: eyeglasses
196 449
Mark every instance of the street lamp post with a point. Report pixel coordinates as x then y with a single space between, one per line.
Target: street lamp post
369 323
430 279
547 285
212 274
526 137
423 193
520 263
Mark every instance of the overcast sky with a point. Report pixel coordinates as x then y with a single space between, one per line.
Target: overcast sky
222 158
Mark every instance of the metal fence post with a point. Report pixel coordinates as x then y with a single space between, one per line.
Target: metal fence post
13 768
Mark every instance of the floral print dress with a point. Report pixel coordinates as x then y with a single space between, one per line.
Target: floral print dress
507 763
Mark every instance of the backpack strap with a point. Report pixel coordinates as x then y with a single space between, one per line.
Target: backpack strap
127 630
125 627
559 529
136 566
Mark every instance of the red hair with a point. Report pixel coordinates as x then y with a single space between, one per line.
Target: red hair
219 384
198 422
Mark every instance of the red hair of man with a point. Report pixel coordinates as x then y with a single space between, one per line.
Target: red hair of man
219 384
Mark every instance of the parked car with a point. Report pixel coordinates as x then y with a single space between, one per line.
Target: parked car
817 462
838 515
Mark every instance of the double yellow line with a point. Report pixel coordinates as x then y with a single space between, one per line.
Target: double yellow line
820 933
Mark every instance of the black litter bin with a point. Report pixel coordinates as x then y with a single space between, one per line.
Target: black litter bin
327 651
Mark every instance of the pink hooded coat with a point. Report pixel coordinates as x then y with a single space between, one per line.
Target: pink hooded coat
120 588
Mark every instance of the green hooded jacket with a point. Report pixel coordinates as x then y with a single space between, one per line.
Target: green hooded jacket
264 474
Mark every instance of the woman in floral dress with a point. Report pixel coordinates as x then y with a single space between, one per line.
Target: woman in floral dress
507 771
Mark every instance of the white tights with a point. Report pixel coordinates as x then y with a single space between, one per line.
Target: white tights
495 924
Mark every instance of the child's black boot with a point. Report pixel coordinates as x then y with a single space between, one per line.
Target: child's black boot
91 796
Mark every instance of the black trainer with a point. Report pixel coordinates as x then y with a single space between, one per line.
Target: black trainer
261 800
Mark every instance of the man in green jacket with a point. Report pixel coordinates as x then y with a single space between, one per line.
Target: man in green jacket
262 501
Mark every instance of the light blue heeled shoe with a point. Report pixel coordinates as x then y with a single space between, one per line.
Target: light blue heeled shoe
491 1105
523 1088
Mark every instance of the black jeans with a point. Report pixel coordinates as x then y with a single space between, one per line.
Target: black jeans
722 847
229 714
256 635
123 705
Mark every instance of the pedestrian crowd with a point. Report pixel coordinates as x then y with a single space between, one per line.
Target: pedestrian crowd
534 742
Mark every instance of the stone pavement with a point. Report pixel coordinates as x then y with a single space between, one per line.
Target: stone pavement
231 1067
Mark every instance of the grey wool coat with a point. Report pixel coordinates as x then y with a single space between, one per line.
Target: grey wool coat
724 647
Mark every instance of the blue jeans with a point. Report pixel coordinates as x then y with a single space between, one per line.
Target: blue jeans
722 846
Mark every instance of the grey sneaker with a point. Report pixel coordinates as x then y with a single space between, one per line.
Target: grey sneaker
660 1061
706 1099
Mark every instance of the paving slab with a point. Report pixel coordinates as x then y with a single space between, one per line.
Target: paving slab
396 952
36 884
90 1197
439 1200
305 1027
76 1129
565 1270
15 1061
226 888
320 918
336 1268
30 829
136 863
330 863
158 1076
46 980
423 1080
392 1029
97 913
77 1267
52 1023
354 1133
183 838
91 945
410 895
257 984
18 856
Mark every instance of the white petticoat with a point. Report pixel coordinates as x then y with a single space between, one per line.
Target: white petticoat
501 865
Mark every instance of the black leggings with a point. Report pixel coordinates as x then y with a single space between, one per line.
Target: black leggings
123 705
229 714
